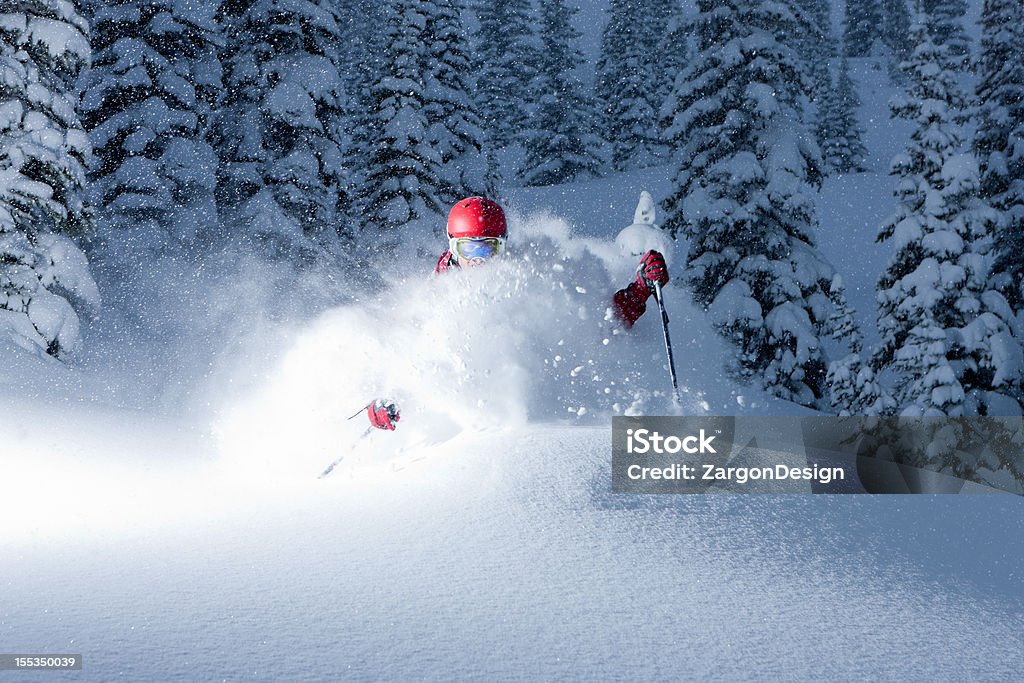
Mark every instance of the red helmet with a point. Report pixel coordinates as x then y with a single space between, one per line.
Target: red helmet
476 217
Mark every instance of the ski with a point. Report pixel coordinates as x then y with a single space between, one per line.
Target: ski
330 468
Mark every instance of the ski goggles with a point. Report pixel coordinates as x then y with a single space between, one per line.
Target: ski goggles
471 248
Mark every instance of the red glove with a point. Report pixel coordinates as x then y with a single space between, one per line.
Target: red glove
631 301
383 414
652 269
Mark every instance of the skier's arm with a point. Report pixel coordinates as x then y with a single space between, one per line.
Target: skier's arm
630 302
445 263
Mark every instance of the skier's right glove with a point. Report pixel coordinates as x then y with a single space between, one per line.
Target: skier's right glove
383 414
652 269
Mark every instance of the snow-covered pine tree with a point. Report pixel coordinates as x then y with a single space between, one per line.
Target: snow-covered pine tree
506 58
403 176
895 30
853 387
744 196
279 132
839 134
916 298
999 137
363 35
44 277
945 332
360 31
623 87
455 130
861 27
817 45
147 103
563 143
669 48
947 21
819 13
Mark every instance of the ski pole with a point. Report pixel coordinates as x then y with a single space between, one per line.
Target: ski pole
668 342
360 411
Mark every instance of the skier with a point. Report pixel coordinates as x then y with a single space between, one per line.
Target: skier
476 233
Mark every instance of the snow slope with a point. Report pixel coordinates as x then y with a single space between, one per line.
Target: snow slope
504 556
480 539
159 511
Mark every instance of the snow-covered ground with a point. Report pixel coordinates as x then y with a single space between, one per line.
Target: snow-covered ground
502 555
160 515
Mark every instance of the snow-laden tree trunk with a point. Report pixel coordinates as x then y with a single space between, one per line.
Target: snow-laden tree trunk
44 277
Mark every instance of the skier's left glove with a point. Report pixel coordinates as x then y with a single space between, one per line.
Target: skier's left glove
383 414
652 269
